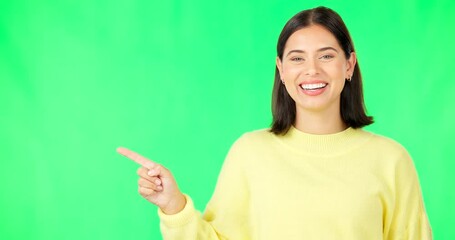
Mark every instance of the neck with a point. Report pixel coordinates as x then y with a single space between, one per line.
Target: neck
323 122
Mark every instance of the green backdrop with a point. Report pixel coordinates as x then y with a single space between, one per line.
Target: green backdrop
179 81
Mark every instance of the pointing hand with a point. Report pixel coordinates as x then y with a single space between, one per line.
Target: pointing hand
156 183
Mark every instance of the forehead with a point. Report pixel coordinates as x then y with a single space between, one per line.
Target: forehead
311 38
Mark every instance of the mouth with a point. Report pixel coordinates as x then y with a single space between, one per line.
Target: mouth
313 86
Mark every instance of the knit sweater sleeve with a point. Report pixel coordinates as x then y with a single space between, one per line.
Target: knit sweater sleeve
225 216
409 219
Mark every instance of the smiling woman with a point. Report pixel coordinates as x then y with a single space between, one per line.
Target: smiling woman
315 174
315 41
314 69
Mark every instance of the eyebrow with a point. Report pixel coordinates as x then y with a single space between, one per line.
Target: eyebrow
319 50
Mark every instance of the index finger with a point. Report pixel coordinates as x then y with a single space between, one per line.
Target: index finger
143 161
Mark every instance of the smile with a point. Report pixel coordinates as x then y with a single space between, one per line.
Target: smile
313 86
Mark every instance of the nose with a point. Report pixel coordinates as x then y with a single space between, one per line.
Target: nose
312 67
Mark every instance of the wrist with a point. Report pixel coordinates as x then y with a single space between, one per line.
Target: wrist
176 205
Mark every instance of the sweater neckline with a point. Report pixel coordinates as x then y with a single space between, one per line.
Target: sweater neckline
324 144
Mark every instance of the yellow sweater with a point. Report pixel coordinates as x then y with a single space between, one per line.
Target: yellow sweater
349 185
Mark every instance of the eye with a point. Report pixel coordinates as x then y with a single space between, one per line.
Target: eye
326 57
297 59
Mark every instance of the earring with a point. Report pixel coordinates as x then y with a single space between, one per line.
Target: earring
349 78
282 81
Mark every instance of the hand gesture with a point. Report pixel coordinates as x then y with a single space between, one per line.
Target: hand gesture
156 183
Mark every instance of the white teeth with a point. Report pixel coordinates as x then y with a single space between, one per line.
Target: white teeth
313 86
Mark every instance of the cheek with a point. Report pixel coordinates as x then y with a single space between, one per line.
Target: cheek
291 71
335 71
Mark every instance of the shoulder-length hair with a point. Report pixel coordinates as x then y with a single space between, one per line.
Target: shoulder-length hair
352 105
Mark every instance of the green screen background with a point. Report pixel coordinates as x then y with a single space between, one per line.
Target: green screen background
179 81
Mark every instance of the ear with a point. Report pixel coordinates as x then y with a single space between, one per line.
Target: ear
279 66
351 64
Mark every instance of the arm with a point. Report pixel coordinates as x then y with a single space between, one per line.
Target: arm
225 215
409 219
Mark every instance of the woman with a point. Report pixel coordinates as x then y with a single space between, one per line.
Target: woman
315 174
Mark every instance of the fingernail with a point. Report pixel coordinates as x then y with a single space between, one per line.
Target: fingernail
157 182
151 173
159 188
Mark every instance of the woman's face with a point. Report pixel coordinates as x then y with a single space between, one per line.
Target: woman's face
314 69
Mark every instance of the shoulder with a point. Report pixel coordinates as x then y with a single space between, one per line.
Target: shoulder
259 134
247 147
385 144
253 140
389 152
255 137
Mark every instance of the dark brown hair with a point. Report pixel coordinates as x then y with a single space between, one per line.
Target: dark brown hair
352 106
